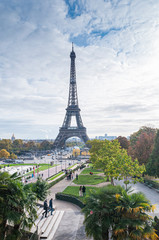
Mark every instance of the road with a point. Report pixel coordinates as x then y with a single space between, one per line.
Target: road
151 194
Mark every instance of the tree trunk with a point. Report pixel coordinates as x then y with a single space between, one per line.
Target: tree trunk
105 235
16 232
112 181
3 229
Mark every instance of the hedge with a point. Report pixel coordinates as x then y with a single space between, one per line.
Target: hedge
60 178
69 198
56 181
151 183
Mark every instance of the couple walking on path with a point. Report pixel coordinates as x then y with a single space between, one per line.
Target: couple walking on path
48 208
82 191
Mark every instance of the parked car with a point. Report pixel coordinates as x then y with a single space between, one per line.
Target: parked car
19 161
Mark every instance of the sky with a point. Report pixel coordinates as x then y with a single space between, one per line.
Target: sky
117 65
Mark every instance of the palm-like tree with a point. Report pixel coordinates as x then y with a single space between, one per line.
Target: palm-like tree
16 206
98 212
112 210
131 220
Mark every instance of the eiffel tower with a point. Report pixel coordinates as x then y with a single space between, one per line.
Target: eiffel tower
66 131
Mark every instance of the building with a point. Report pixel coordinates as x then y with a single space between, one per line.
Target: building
110 138
13 138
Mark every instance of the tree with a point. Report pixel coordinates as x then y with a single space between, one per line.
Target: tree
132 220
76 152
4 153
40 188
141 144
30 146
6 144
45 145
13 156
153 165
124 143
114 161
99 212
17 145
112 210
17 206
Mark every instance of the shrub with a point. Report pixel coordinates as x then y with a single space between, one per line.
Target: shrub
68 198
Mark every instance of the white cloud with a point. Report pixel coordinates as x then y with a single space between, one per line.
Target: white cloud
117 65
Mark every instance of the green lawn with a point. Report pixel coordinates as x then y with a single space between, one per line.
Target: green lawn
55 176
72 190
24 164
94 171
89 179
41 168
72 166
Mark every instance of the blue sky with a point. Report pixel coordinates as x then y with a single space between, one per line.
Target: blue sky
117 55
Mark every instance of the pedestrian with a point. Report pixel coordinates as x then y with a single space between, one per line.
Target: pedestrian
51 206
45 208
80 191
76 176
84 191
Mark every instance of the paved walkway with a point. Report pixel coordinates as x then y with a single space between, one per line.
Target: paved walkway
49 172
151 194
71 226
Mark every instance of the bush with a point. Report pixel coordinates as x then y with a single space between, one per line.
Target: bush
152 183
59 179
68 198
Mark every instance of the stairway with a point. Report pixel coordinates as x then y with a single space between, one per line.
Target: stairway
47 226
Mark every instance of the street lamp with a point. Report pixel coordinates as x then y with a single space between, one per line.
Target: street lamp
48 169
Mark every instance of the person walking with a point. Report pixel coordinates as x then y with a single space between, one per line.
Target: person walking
45 208
51 206
76 176
84 191
80 191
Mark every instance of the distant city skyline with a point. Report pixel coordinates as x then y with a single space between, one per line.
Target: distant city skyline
117 55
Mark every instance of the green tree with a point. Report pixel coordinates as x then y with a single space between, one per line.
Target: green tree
153 164
17 206
45 145
99 212
6 144
113 160
17 145
39 188
112 210
131 217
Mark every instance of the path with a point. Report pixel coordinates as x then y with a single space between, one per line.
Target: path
71 225
49 172
151 194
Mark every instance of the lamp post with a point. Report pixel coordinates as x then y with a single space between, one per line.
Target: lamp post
48 169
56 166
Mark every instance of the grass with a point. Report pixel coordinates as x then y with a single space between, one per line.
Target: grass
72 166
41 168
24 164
89 180
74 191
94 171
55 176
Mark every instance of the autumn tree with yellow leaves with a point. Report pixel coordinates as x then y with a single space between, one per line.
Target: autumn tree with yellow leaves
4 153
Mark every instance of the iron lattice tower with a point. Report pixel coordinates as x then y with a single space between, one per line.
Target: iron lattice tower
66 131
